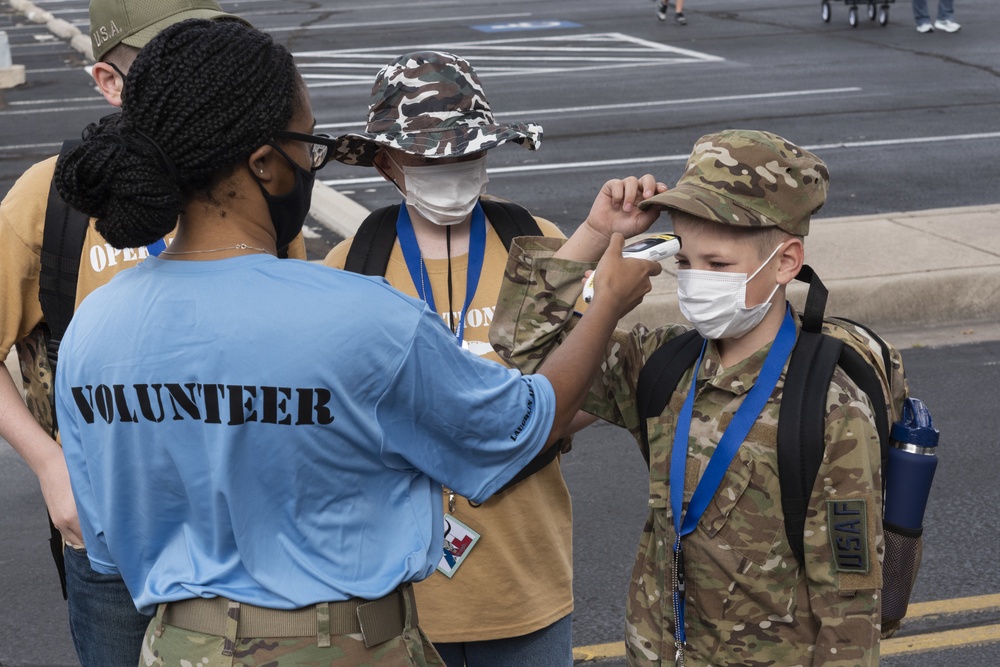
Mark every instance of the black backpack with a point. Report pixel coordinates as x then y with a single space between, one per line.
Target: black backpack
823 344
372 245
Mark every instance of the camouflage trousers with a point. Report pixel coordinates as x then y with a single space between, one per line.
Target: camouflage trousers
167 645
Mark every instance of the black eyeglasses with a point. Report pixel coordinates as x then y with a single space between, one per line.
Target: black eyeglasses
319 146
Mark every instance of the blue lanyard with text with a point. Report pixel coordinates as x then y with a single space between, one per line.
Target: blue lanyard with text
418 272
722 457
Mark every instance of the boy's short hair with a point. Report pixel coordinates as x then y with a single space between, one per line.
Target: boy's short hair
749 178
762 239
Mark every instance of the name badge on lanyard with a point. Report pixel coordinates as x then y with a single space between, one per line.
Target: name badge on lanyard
458 542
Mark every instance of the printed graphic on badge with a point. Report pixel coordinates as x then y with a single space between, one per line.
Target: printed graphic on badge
657 248
847 523
458 542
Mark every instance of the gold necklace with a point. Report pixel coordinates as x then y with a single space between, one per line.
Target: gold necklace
238 246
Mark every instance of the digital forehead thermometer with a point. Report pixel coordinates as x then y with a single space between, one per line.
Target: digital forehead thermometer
656 248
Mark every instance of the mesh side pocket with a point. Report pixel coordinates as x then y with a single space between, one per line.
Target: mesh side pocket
899 572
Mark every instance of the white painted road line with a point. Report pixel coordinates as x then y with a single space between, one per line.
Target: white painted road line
566 166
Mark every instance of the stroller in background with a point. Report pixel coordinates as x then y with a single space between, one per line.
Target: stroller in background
874 11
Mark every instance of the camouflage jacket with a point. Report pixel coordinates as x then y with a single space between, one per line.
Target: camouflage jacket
749 603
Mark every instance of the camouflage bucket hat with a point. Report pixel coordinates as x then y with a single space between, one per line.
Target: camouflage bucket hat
136 22
431 104
751 179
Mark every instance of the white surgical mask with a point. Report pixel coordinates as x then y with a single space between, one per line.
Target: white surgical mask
715 302
445 194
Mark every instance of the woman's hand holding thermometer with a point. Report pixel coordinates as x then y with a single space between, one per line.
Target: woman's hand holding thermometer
657 248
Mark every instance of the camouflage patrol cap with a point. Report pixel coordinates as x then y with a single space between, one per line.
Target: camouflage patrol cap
751 179
432 104
135 22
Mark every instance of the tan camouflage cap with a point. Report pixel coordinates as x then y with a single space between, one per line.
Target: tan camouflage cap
135 22
432 104
749 178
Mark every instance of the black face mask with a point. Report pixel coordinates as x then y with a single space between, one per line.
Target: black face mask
289 211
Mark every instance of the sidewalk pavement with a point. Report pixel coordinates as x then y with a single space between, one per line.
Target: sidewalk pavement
891 270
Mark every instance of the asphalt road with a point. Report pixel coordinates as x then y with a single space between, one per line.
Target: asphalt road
905 122
607 480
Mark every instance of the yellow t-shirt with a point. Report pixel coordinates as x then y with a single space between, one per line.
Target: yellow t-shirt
22 224
519 577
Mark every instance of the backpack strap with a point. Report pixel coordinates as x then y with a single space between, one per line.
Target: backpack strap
659 377
802 427
802 416
510 220
372 244
62 244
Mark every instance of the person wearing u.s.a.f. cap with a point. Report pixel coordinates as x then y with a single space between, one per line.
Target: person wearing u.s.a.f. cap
105 626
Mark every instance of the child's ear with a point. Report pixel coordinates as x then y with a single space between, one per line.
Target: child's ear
791 257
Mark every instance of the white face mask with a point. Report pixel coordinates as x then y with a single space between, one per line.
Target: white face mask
715 302
445 194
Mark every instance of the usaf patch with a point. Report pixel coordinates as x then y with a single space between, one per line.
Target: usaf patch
847 523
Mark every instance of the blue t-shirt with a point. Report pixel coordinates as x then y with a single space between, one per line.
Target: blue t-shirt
276 432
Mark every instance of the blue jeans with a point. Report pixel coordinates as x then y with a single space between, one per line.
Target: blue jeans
106 628
549 647
945 10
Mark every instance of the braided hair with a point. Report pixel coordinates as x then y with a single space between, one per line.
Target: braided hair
199 99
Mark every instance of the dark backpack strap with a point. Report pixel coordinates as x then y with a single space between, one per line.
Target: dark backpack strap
812 316
372 244
536 464
659 377
802 427
510 220
802 417
62 245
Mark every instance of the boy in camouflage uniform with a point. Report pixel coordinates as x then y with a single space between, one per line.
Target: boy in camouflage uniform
741 208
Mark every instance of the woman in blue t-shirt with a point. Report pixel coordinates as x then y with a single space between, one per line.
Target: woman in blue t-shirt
254 444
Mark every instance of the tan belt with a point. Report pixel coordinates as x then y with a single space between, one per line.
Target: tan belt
376 620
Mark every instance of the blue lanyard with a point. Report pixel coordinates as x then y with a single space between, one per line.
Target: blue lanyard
418 272
724 453
155 248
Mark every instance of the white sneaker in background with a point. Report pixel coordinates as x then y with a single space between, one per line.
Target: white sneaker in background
946 26
925 27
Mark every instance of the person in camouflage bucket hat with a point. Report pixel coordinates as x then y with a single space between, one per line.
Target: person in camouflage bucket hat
432 104
749 178
429 130
741 209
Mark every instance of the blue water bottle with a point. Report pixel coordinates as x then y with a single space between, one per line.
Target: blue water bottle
910 470
908 475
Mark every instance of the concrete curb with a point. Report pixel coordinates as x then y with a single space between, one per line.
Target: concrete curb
78 40
338 213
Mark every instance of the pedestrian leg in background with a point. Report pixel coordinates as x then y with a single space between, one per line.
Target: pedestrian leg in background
106 628
663 11
945 12
551 646
921 16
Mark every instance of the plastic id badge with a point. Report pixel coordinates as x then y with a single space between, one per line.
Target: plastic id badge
458 542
